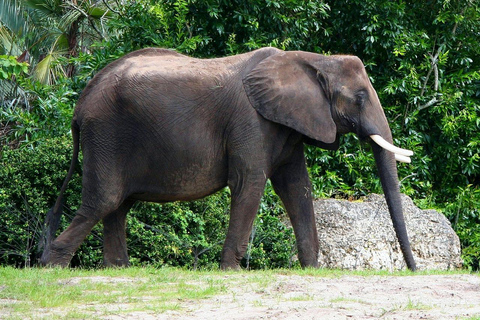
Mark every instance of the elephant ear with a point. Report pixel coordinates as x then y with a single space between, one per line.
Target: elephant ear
286 89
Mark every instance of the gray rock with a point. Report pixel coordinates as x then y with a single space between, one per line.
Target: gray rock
360 235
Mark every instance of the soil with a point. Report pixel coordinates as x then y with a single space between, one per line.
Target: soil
347 297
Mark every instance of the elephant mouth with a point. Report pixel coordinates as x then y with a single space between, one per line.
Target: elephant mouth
401 155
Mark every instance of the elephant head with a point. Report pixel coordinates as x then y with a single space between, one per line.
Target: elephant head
322 97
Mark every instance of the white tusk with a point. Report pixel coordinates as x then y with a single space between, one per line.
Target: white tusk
390 147
401 158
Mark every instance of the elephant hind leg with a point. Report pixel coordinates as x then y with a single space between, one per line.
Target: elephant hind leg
64 246
114 237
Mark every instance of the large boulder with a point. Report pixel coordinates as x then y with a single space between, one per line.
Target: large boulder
359 235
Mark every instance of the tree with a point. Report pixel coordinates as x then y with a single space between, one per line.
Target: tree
47 30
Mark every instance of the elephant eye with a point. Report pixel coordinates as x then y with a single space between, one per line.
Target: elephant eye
360 98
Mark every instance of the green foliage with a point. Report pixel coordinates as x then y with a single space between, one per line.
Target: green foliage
150 23
29 183
239 26
272 242
10 71
349 172
180 233
44 31
464 211
49 115
9 66
217 27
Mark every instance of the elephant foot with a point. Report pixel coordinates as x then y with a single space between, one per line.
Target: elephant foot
54 258
308 262
230 259
115 255
229 266
313 264
116 263
308 254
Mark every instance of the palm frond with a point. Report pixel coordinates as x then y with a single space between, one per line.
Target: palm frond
8 45
49 7
11 16
43 71
98 13
70 16
47 70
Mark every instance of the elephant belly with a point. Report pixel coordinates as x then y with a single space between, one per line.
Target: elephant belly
180 180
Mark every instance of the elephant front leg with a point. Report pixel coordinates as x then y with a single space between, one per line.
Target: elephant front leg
114 237
246 196
292 184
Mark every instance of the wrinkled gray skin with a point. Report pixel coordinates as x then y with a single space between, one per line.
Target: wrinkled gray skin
159 126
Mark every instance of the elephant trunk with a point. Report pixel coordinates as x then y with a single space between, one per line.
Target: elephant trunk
387 169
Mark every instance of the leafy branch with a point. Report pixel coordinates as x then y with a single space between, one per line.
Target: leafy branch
434 67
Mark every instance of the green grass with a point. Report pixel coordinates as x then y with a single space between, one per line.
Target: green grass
334 273
92 294
54 292
416 305
344 299
409 306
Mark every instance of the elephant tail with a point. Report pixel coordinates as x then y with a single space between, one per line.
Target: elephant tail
52 219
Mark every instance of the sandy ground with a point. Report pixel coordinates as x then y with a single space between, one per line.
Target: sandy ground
305 297
348 297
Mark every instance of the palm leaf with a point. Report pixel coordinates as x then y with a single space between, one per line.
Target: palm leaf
47 70
44 71
66 21
97 13
7 43
11 16
49 7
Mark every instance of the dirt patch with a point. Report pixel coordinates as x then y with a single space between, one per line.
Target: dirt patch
349 297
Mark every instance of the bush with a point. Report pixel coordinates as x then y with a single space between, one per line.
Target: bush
272 244
30 178
179 233
464 212
218 28
272 241
47 115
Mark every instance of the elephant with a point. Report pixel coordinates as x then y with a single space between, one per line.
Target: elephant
159 126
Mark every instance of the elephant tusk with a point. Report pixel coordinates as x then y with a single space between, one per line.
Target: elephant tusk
401 158
390 147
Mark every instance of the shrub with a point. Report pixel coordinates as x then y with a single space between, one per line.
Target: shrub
47 115
272 241
464 212
179 233
272 244
29 182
